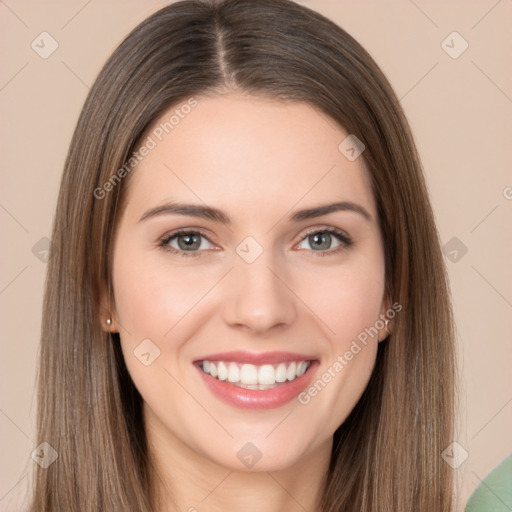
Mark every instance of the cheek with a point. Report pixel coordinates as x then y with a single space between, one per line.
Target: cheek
155 301
348 306
346 300
152 296
162 303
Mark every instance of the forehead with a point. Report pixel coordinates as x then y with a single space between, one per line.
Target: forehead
246 152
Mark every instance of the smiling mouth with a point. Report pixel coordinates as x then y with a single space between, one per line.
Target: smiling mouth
255 377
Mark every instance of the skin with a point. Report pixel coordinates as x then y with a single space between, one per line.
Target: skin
259 161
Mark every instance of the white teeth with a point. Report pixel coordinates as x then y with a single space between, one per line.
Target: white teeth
301 368
250 376
266 375
291 373
280 374
233 372
255 386
222 371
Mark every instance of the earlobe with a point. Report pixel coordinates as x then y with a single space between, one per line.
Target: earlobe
385 322
385 331
108 324
107 320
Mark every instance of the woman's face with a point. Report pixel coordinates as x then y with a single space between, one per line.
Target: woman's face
263 281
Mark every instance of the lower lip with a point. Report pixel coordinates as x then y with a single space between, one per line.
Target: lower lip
258 399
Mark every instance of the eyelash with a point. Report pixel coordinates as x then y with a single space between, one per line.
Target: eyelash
345 241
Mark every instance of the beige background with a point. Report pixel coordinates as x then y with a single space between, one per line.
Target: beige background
460 112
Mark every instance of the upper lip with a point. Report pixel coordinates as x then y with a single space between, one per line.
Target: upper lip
240 356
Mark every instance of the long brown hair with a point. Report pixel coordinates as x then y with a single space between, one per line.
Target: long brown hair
387 454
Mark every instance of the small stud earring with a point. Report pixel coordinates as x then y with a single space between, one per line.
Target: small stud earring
386 322
109 321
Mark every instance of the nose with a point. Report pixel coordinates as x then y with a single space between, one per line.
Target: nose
258 297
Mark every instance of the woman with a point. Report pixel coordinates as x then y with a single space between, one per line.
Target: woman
246 303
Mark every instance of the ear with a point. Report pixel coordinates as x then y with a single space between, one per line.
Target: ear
108 315
385 322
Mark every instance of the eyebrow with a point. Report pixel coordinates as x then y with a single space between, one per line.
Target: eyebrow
209 213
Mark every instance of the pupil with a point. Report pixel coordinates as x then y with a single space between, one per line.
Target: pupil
320 240
188 242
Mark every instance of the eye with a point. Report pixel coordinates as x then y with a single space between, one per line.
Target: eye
326 241
323 242
186 243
